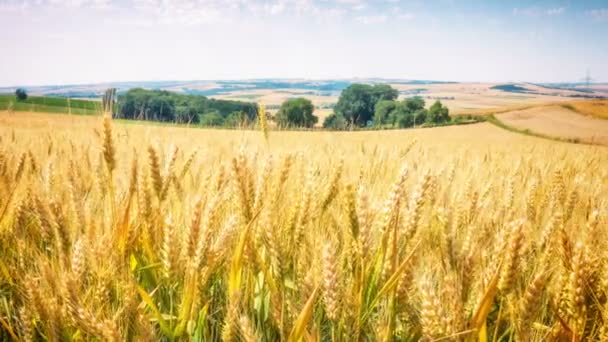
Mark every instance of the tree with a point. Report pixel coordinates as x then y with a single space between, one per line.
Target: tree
186 114
354 104
296 113
402 116
142 104
335 121
384 92
438 113
108 100
414 106
212 119
357 102
163 108
420 116
21 94
236 119
383 111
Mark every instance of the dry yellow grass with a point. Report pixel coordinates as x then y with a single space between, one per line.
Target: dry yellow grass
141 232
598 108
473 98
560 121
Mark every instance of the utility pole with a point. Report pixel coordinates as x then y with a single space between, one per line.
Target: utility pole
587 79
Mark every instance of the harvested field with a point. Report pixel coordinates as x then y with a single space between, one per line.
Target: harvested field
560 122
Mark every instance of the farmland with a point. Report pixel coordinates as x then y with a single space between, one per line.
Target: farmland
559 122
141 232
44 104
461 97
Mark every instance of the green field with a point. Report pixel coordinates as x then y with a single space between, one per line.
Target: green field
51 105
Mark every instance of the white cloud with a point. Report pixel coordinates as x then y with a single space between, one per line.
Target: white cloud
555 11
359 7
13 6
197 12
371 19
537 12
530 11
191 12
77 3
406 16
351 2
600 14
275 8
19 5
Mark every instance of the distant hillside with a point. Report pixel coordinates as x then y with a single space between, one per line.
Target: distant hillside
211 87
548 90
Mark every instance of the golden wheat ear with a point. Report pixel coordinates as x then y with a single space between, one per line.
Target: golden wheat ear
109 150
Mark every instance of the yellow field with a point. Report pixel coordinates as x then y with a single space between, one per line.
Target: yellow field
140 232
478 98
598 108
561 122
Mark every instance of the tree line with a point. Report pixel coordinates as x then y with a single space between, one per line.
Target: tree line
160 105
359 106
362 105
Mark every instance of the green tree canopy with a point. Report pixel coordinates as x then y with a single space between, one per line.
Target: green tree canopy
383 92
357 102
186 114
335 121
158 105
296 113
438 113
414 104
237 119
382 113
407 113
21 94
212 119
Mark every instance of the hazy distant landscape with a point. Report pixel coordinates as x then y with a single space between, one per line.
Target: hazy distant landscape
461 97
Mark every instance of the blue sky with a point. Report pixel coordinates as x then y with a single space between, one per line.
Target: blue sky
90 41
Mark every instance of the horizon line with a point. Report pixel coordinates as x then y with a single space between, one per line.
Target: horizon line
387 79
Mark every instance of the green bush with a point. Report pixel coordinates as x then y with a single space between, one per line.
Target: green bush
335 122
212 119
21 94
296 113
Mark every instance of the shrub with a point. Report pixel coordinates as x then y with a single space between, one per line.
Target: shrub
296 113
212 119
335 121
21 94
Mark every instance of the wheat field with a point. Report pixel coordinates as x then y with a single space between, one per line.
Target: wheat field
115 231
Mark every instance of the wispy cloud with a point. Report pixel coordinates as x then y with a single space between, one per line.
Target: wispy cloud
190 12
21 5
555 11
600 14
406 16
371 19
81 3
12 6
538 12
195 12
275 8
